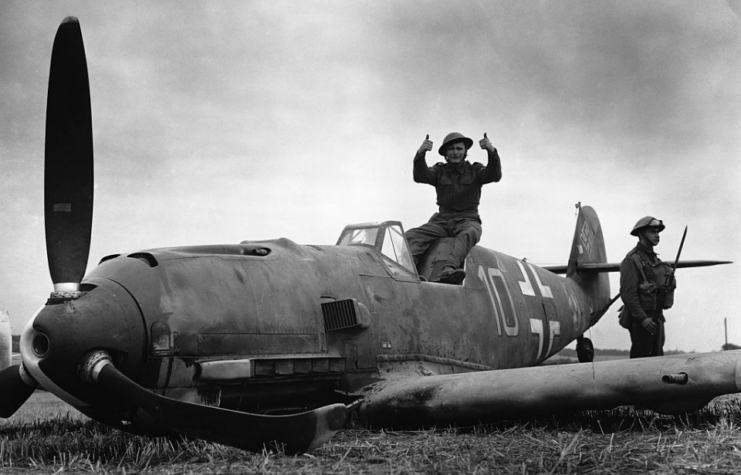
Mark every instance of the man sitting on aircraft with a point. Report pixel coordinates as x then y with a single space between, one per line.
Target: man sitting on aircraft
458 185
644 291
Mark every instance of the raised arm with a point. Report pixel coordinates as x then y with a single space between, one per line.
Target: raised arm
493 170
421 172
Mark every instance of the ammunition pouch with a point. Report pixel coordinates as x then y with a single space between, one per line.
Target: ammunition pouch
625 318
647 294
669 301
665 297
655 298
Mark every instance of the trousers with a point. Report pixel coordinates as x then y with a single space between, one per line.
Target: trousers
466 232
643 343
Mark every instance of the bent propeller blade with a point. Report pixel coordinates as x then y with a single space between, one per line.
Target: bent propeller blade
68 170
14 390
295 433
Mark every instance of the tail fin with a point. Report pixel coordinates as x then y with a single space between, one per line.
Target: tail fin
588 247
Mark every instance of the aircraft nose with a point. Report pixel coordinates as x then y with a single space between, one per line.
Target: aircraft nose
55 341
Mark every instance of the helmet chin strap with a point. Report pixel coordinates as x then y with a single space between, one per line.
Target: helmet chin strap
642 237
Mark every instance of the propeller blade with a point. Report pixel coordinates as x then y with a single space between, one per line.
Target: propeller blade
68 176
294 433
6 339
14 391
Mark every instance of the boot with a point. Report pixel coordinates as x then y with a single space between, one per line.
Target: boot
451 275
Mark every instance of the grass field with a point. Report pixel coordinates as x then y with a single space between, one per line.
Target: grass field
47 436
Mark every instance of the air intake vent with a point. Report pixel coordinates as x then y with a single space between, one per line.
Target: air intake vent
341 315
145 257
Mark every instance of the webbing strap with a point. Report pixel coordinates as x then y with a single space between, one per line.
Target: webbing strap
640 264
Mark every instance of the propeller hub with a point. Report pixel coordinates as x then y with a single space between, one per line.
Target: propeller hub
104 320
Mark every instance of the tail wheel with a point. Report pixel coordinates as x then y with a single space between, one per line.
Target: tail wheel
584 350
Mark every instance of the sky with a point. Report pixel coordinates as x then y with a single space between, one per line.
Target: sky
218 122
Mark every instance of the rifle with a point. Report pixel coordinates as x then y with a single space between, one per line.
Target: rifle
661 290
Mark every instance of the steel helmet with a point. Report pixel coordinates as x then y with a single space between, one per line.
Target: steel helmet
647 222
454 137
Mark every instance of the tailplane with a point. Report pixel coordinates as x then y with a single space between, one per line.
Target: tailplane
588 266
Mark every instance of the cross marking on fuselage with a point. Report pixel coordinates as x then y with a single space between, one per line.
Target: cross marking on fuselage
544 329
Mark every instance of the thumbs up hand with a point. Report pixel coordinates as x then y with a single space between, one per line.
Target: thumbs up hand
426 145
486 144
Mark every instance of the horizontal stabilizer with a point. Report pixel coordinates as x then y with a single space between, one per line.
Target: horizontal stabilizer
668 384
615 267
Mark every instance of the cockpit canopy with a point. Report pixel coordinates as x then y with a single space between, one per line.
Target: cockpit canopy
386 237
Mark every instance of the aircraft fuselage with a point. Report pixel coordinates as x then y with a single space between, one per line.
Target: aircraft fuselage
276 327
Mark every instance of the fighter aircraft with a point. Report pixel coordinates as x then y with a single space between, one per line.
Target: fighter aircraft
272 344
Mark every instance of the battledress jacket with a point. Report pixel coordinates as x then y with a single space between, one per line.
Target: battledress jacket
638 303
458 187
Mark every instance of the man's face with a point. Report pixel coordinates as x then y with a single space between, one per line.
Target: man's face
650 236
456 153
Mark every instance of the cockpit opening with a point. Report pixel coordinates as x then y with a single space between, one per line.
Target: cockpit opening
386 237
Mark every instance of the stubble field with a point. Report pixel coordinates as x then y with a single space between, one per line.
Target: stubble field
47 436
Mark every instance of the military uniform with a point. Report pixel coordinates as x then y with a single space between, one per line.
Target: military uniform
642 276
458 190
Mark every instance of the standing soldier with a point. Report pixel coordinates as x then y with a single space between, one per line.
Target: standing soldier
646 288
458 186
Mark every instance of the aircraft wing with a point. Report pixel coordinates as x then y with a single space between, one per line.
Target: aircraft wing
615 267
667 384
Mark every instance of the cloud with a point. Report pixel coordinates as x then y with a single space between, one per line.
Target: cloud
218 122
